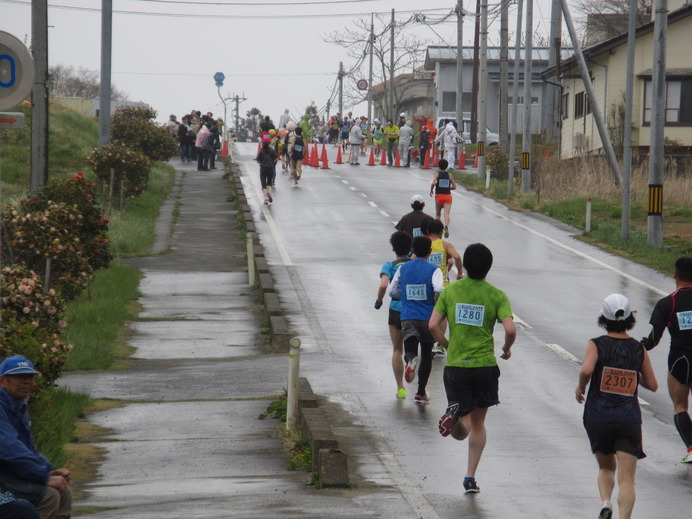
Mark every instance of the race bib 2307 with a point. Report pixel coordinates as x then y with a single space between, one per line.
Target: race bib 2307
469 314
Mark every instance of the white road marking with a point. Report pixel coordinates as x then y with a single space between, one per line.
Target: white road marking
563 353
363 194
345 181
518 320
371 203
385 214
352 188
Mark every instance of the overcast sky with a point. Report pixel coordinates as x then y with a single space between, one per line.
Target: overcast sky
272 52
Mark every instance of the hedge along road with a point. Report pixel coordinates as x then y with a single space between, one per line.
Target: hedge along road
326 240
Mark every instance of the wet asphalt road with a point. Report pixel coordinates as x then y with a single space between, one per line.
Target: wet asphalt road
325 241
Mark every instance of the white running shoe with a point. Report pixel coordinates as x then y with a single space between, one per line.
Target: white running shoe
410 370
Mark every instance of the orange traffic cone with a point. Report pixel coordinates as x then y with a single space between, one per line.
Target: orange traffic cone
224 148
462 159
436 158
306 155
325 162
475 159
339 160
371 162
315 162
383 161
426 160
397 159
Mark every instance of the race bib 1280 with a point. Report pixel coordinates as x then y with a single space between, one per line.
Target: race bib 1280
416 293
685 320
469 314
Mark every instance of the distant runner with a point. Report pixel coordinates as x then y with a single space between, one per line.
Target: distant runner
443 184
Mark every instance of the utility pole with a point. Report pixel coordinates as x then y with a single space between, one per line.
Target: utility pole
528 73
588 87
341 88
504 72
627 138
459 102
515 104
372 44
237 100
658 123
105 88
474 86
39 96
483 172
391 70
551 118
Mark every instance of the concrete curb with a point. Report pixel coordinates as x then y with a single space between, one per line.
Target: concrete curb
329 462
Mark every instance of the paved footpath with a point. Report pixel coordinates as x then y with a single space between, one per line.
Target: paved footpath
188 442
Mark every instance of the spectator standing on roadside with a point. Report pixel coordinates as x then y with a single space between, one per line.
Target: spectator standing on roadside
614 366
186 139
23 470
405 142
214 143
674 312
355 137
202 146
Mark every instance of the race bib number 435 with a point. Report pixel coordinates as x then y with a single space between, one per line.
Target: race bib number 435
469 314
618 381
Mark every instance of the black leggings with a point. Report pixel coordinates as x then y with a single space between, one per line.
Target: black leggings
266 177
425 360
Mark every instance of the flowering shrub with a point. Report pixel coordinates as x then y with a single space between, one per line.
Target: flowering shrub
32 322
136 129
91 227
31 238
131 167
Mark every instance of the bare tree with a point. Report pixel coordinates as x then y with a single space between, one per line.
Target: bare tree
409 53
64 81
603 19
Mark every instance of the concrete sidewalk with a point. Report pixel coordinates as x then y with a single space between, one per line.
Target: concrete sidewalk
189 441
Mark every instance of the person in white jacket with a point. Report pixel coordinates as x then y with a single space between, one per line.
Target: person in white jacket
405 141
355 138
449 138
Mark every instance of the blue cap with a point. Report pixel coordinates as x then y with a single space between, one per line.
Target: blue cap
17 365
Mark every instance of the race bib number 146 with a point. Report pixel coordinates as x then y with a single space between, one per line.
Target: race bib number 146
469 314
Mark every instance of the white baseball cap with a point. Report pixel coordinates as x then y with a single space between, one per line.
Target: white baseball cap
417 198
616 307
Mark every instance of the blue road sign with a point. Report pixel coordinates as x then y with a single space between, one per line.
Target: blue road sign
218 78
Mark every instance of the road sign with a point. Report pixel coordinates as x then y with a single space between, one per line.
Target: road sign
16 71
11 120
218 78
362 84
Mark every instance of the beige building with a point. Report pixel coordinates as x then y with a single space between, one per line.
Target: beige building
607 64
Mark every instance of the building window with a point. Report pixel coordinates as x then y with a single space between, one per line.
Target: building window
520 100
565 106
449 101
678 102
579 105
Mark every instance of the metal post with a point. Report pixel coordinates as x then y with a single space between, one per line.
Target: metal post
459 105
526 135
372 44
483 172
39 96
515 106
587 224
627 138
341 88
504 73
250 247
293 388
552 97
391 71
105 88
658 122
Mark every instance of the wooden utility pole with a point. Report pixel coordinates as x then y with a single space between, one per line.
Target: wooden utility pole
504 73
474 86
459 106
39 95
515 104
105 88
528 73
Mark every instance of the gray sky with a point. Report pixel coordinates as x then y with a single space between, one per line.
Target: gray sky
274 55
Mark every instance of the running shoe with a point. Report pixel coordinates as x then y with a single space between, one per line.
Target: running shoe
269 197
422 399
438 350
410 370
688 458
606 511
446 232
447 420
266 201
471 486
401 393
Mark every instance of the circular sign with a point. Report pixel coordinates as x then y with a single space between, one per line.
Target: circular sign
362 84
16 71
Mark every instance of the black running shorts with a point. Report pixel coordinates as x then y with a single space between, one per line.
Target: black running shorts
680 366
471 388
394 319
611 437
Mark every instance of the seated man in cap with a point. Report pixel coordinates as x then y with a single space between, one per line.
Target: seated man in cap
23 470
